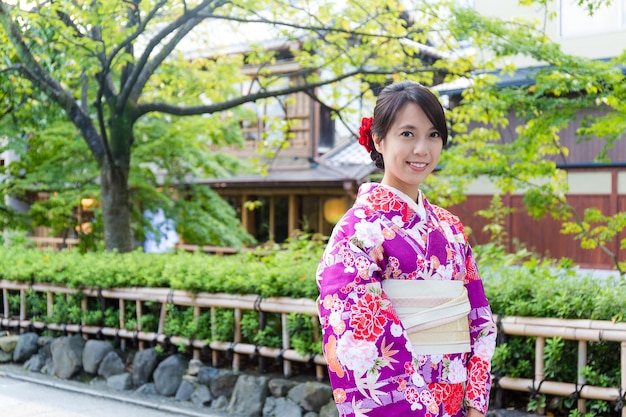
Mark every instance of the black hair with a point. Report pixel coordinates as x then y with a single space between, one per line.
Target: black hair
392 98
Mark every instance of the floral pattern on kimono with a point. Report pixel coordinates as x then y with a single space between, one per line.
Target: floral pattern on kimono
372 368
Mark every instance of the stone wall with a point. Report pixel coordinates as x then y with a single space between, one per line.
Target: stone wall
146 372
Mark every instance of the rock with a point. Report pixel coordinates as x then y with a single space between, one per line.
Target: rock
169 374
144 363
26 347
201 395
206 374
311 414
111 365
184 391
220 403
279 387
248 396
329 410
147 389
223 383
311 395
67 356
194 367
120 382
281 407
5 357
93 353
35 363
8 343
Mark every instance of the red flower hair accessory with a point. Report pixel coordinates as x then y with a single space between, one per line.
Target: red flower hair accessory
365 133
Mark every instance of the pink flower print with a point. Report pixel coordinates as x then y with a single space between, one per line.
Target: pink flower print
408 368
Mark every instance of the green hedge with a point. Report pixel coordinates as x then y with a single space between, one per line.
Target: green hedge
289 272
516 284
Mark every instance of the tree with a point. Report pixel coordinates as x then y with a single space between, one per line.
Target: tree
109 65
117 68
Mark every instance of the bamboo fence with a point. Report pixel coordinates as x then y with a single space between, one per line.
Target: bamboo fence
583 331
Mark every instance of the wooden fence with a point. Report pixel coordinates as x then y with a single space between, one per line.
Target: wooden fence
583 331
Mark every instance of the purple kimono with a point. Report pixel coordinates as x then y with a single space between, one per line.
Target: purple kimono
372 368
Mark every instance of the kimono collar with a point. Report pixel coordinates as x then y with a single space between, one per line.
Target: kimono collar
418 206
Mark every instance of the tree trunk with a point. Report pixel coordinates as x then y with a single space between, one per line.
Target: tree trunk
116 207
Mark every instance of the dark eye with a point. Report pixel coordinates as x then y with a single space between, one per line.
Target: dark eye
435 134
407 134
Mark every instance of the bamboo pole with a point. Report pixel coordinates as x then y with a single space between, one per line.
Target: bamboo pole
562 389
196 317
5 303
237 339
122 311
138 315
582 362
239 348
49 303
22 304
286 363
623 373
540 345
214 358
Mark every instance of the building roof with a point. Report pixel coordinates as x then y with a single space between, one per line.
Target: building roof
348 162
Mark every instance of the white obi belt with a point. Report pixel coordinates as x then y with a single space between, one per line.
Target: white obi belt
434 314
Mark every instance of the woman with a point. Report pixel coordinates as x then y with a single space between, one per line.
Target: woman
407 328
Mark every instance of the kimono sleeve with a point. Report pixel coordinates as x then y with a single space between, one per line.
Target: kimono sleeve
483 339
370 363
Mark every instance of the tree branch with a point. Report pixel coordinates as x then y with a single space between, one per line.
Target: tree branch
142 70
36 74
228 104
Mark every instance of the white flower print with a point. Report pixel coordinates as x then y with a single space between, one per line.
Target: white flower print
396 330
369 233
456 371
485 346
356 355
334 318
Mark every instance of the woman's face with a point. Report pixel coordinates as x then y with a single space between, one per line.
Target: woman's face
410 150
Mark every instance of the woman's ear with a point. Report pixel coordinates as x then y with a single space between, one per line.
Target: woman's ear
377 145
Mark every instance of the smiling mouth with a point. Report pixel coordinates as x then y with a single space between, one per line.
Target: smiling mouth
417 164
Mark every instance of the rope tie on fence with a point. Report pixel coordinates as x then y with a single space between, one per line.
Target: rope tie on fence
64 329
576 394
230 351
117 339
170 296
280 358
80 329
155 340
500 334
619 404
311 362
99 333
257 303
534 392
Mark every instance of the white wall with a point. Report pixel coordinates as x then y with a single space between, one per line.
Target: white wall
602 35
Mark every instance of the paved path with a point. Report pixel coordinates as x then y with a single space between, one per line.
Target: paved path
24 396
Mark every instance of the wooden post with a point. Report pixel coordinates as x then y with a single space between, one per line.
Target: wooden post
623 373
22 304
122 323
293 214
5 303
539 368
196 317
49 303
582 362
272 220
213 336
285 330
138 315
237 339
